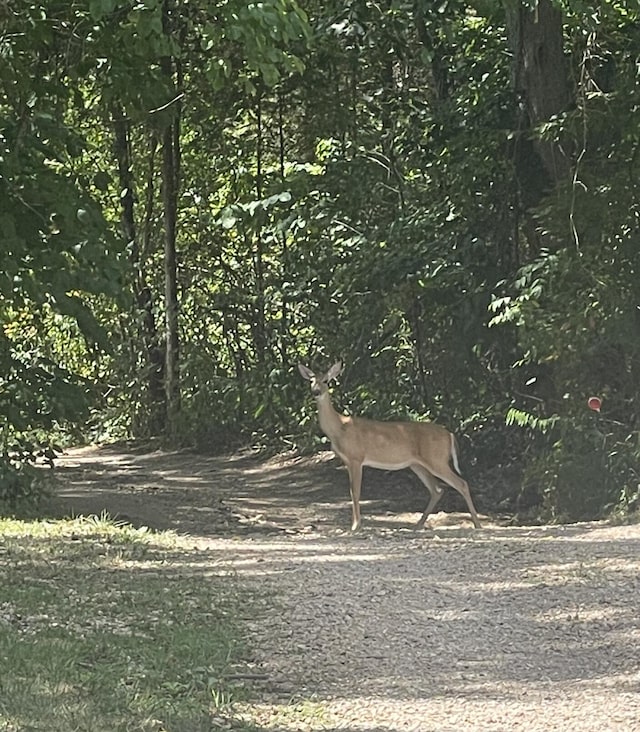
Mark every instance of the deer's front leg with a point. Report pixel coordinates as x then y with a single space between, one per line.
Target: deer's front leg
355 483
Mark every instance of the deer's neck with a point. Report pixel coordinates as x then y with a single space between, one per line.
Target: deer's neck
330 421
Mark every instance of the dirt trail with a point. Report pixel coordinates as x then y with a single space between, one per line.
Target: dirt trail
445 630
242 492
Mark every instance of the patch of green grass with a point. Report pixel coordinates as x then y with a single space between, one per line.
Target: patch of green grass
105 627
301 714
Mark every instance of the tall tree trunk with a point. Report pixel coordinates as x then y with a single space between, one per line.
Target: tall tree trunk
439 71
169 201
259 325
156 347
284 280
170 174
541 81
541 77
142 292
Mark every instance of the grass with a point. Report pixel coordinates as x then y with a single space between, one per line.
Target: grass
105 627
303 714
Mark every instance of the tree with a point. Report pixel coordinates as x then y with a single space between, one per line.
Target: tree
58 252
570 300
443 194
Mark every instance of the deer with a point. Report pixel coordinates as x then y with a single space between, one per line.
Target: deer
426 448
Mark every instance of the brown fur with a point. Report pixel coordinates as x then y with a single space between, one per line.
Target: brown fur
424 447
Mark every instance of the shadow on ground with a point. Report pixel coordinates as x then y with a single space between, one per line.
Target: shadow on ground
238 493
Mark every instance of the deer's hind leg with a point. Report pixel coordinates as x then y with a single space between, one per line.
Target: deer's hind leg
457 482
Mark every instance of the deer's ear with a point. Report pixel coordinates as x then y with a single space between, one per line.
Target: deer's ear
305 372
335 371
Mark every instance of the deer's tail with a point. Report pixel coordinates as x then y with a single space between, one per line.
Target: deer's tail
454 454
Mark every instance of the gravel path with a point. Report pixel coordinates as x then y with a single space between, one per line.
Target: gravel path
500 629
446 630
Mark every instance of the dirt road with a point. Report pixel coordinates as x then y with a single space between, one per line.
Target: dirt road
450 629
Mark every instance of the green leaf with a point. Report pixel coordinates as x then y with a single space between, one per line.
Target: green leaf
102 180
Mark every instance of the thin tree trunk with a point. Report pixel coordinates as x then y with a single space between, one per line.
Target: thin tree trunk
142 292
155 342
170 173
169 200
440 78
284 322
125 179
260 319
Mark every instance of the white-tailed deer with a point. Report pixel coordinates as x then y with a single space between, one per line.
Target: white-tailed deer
426 448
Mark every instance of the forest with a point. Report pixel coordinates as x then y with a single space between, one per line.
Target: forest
196 196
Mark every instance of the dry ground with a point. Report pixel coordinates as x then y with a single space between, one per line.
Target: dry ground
448 629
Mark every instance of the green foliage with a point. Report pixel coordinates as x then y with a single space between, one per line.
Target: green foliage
254 40
354 179
525 419
573 304
588 470
57 251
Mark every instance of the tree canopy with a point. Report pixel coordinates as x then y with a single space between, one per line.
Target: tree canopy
195 195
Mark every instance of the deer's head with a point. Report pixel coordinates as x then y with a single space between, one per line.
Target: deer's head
320 382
